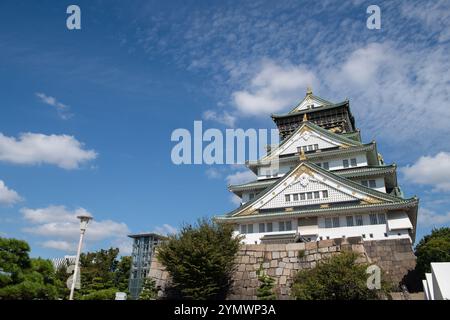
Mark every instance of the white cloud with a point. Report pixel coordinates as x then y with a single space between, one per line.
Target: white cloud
273 88
429 218
240 177
62 109
213 173
235 199
34 148
60 245
8 196
363 64
62 226
430 170
223 117
165 229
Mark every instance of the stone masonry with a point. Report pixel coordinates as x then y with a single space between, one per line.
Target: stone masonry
282 261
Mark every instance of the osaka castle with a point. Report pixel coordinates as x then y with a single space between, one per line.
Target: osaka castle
327 183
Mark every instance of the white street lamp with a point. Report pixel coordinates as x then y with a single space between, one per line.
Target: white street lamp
84 221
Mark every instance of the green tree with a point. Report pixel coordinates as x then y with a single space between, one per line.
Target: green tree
29 278
434 247
265 290
337 278
200 259
149 291
122 273
102 273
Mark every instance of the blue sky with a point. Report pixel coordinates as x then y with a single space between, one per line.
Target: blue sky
86 115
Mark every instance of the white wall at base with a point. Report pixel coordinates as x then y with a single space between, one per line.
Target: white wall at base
440 275
429 282
367 231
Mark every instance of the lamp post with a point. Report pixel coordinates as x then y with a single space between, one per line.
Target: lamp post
84 220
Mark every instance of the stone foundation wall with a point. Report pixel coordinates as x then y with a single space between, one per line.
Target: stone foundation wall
283 261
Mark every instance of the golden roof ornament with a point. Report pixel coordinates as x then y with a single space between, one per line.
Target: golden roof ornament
305 117
302 155
308 91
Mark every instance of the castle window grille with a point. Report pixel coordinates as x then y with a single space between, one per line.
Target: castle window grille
359 220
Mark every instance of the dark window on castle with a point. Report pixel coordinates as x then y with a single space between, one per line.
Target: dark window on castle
381 218
262 227
316 194
296 197
309 195
359 220
243 228
349 220
336 222
287 197
325 194
373 218
326 165
288 225
302 196
251 196
250 228
353 162
372 184
269 227
328 223
345 163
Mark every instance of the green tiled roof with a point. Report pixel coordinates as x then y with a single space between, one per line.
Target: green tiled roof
347 173
324 153
378 194
413 202
324 107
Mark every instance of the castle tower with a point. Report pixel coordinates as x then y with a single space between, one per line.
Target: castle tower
328 184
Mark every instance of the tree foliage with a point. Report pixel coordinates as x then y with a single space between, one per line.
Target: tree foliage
200 259
265 290
103 274
27 278
149 291
337 278
434 247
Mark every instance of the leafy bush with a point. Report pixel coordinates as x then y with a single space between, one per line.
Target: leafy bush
103 294
434 247
149 291
28 278
265 290
201 259
337 278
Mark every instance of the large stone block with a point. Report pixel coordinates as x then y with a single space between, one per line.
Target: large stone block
325 243
310 245
278 271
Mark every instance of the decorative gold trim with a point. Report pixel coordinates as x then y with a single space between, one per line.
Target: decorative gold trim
302 155
305 117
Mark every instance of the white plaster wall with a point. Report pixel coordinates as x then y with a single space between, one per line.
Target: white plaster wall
333 195
377 230
299 141
334 164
